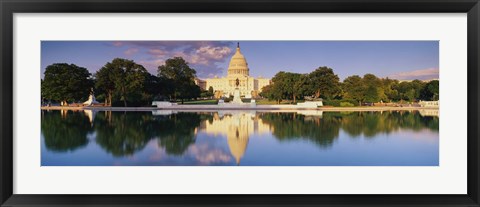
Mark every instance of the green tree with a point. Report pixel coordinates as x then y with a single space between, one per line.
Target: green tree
430 91
324 83
105 82
180 78
354 88
271 93
373 88
284 85
410 91
210 91
123 79
190 91
302 87
66 82
417 86
402 89
279 86
410 94
153 88
293 80
389 87
207 93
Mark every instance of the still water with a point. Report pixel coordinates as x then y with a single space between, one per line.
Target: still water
245 138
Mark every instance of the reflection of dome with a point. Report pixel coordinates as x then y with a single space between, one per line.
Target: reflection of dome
237 144
236 126
238 64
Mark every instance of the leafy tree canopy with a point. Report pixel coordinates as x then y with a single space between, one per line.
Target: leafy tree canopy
66 82
123 80
325 83
180 77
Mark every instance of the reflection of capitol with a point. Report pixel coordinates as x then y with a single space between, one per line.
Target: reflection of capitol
237 127
208 137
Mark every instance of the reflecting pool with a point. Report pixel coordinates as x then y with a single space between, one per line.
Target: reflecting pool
245 138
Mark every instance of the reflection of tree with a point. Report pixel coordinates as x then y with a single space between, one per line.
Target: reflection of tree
368 123
177 132
372 123
123 133
432 123
65 133
323 131
414 121
291 126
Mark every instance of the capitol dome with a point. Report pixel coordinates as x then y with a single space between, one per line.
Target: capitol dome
238 64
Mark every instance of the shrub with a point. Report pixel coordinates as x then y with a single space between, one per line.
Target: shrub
346 104
342 103
331 102
352 101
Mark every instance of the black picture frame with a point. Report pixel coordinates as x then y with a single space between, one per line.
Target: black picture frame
9 7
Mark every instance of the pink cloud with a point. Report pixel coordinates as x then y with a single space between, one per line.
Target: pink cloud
152 65
204 56
201 154
205 155
215 53
207 55
423 74
117 44
157 52
131 51
179 54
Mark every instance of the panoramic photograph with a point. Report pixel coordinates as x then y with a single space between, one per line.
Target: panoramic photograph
239 103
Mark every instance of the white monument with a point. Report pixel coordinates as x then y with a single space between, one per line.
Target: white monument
91 99
236 94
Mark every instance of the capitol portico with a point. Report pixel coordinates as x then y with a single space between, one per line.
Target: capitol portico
237 70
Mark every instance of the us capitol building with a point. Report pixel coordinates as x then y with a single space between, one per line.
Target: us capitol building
237 69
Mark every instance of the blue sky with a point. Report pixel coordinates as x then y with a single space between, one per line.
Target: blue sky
404 60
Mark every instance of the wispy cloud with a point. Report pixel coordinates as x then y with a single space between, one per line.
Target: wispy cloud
203 56
205 155
117 44
423 74
198 154
131 51
157 53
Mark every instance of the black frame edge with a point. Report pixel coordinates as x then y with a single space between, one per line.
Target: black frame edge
241 6
473 21
9 7
240 200
6 104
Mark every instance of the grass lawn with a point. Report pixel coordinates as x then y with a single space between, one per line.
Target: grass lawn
201 102
273 102
214 102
